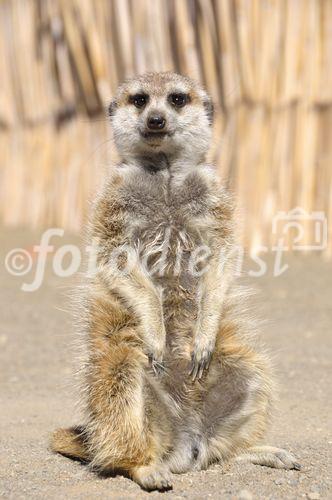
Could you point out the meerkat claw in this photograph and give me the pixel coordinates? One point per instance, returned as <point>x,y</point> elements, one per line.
<point>198,367</point>
<point>157,366</point>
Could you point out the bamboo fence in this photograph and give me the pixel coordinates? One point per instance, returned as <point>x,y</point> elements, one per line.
<point>266,63</point>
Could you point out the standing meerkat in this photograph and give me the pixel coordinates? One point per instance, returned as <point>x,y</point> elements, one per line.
<point>171,383</point>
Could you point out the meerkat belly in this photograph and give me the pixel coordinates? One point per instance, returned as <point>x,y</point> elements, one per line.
<point>169,255</point>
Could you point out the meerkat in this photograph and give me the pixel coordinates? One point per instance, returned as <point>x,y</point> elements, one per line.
<point>171,381</point>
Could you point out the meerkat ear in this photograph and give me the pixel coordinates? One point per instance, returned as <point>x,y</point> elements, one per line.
<point>209,108</point>
<point>112,107</point>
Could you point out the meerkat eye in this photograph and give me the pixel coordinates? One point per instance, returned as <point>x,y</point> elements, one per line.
<point>139,100</point>
<point>178,99</point>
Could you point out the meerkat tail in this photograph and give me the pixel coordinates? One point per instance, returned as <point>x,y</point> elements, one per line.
<point>70,443</point>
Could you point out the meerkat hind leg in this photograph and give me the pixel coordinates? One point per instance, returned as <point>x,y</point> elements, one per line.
<point>121,436</point>
<point>269,456</point>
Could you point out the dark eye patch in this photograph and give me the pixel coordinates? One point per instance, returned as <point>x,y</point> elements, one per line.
<point>178,99</point>
<point>139,100</point>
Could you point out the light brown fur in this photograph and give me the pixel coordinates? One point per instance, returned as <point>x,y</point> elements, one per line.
<point>171,382</point>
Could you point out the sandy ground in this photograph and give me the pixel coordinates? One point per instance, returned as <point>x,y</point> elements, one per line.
<point>36,363</point>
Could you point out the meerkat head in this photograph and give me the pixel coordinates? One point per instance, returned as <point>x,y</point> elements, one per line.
<point>161,113</point>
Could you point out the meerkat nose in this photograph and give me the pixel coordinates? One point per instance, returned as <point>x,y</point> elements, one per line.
<point>156,122</point>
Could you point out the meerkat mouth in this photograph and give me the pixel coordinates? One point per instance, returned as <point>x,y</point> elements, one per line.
<point>151,136</point>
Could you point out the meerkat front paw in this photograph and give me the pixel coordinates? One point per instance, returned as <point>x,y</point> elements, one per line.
<point>155,352</point>
<point>153,334</point>
<point>200,361</point>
